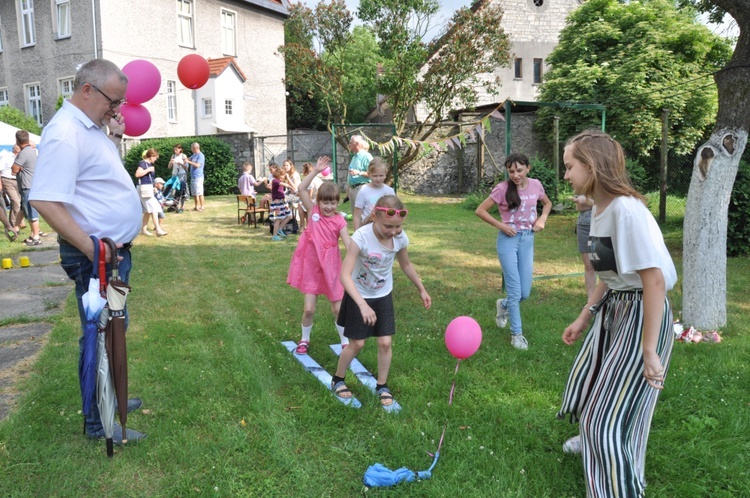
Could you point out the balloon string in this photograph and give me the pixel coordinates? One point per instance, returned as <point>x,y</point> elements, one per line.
<point>450,402</point>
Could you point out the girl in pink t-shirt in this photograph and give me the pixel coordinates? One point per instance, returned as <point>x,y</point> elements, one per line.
<point>316,263</point>
<point>516,199</point>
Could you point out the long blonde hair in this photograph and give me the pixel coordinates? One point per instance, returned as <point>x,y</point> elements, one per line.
<point>606,160</point>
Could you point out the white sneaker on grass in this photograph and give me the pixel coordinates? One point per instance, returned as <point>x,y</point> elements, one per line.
<point>573,445</point>
<point>501,319</point>
<point>518,341</point>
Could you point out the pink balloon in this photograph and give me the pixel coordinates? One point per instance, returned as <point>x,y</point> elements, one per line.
<point>193,71</point>
<point>463,337</point>
<point>326,171</point>
<point>144,81</point>
<point>137,119</point>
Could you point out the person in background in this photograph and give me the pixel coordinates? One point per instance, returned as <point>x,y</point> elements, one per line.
<point>583,226</point>
<point>312,191</point>
<point>179,165</point>
<point>279,212</point>
<point>10,187</point>
<point>151,207</point>
<point>23,167</point>
<point>371,192</point>
<point>516,199</point>
<point>358,164</point>
<point>82,189</point>
<point>198,163</point>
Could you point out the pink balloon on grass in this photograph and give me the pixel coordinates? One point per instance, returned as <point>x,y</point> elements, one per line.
<point>193,71</point>
<point>144,81</point>
<point>137,119</point>
<point>463,336</point>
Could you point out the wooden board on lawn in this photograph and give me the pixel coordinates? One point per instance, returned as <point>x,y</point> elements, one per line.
<point>366,378</point>
<point>314,368</point>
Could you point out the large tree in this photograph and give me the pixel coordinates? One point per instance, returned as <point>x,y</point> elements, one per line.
<point>331,70</point>
<point>637,58</point>
<point>715,168</point>
<point>439,76</point>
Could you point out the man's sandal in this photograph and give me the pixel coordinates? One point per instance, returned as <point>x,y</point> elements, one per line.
<point>302,347</point>
<point>385,396</point>
<point>340,389</point>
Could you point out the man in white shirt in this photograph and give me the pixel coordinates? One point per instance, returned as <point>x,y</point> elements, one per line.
<point>82,189</point>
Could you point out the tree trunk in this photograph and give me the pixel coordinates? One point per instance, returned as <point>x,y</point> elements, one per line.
<point>704,282</point>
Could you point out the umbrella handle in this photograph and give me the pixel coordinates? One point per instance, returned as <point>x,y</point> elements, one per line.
<point>113,261</point>
<point>102,268</point>
<point>96,254</point>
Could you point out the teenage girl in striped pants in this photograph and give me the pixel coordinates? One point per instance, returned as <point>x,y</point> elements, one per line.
<point>618,374</point>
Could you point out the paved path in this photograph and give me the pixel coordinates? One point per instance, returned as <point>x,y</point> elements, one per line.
<point>28,298</point>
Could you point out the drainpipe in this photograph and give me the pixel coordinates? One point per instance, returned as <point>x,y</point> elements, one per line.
<point>93,23</point>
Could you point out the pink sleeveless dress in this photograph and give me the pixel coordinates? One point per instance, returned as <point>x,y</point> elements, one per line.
<point>316,263</point>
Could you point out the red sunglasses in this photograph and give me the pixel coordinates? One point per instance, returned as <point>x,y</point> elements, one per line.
<point>392,212</point>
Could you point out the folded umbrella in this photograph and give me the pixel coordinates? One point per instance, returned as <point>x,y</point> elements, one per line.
<point>93,303</point>
<point>117,293</point>
<point>105,390</point>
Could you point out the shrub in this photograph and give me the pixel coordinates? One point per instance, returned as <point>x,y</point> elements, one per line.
<point>638,175</point>
<point>738,230</point>
<point>220,170</point>
<point>14,117</point>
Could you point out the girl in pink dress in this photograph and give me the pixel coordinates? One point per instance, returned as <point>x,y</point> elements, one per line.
<point>316,263</point>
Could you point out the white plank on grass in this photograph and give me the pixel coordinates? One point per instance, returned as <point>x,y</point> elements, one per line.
<point>314,368</point>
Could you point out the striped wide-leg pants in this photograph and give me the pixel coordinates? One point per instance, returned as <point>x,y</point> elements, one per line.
<point>607,393</point>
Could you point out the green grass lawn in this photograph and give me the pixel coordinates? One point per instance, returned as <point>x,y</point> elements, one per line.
<point>230,413</point>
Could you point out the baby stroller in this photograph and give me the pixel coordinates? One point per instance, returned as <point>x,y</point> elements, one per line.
<point>175,194</point>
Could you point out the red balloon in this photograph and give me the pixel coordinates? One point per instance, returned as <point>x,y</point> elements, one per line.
<point>144,81</point>
<point>463,336</point>
<point>193,71</point>
<point>137,119</point>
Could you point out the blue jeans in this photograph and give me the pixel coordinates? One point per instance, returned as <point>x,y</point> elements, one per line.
<point>516,255</point>
<point>79,269</point>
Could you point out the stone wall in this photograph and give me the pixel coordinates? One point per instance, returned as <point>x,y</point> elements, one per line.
<point>457,171</point>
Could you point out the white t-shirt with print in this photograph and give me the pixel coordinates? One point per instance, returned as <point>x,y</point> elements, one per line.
<point>373,272</point>
<point>625,238</point>
<point>368,196</point>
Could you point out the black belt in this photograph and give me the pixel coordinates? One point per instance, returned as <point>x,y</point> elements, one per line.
<point>125,247</point>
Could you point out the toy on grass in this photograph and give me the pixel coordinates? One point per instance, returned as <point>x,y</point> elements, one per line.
<point>463,336</point>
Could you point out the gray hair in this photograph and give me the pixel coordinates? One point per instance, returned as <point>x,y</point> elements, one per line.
<point>359,139</point>
<point>98,72</point>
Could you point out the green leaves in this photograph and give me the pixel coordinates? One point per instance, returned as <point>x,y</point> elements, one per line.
<point>636,58</point>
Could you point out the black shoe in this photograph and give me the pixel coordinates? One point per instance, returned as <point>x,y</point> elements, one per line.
<point>133,404</point>
<point>133,436</point>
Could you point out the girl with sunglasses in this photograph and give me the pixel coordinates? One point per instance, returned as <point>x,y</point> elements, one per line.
<point>516,199</point>
<point>367,276</point>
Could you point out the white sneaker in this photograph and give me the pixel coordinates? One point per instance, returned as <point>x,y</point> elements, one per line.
<point>501,319</point>
<point>573,445</point>
<point>518,341</point>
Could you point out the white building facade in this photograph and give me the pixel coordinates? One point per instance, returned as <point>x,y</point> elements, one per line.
<point>42,42</point>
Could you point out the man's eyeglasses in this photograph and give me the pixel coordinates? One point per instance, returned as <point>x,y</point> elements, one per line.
<point>392,212</point>
<point>112,103</point>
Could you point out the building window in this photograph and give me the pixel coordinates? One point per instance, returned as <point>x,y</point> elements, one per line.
<point>4,97</point>
<point>228,28</point>
<point>62,12</point>
<point>28,35</point>
<point>34,101</point>
<point>519,69</point>
<point>538,71</point>
<point>208,108</point>
<point>172,100</point>
<point>185,20</point>
<point>228,107</point>
<point>66,88</point>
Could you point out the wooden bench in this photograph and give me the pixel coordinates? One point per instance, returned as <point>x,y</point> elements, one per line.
<point>248,211</point>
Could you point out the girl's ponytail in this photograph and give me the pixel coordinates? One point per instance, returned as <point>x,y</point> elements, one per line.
<point>511,195</point>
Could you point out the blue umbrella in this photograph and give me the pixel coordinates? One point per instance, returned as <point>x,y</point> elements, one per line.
<point>93,303</point>
<point>379,475</point>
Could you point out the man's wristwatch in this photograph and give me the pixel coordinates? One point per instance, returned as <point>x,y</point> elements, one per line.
<point>116,135</point>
